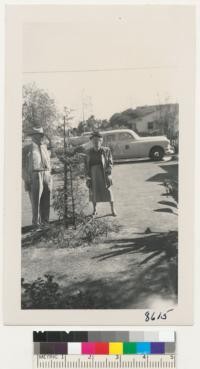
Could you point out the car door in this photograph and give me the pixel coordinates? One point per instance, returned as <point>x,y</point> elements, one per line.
<point>110,140</point>
<point>127,146</point>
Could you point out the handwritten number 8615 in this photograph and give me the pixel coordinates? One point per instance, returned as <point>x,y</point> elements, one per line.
<point>151,316</point>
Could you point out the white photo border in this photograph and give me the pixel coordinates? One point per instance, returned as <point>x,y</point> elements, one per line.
<point>16,15</point>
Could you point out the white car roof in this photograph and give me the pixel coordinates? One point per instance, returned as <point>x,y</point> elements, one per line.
<point>124,130</point>
<point>118,131</point>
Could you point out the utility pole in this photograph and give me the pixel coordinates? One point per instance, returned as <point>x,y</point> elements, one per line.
<point>83,109</point>
<point>87,107</point>
<point>65,172</point>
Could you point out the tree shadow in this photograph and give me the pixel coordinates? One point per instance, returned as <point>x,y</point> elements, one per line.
<point>30,228</point>
<point>159,243</point>
<point>169,180</point>
<point>149,276</point>
<point>32,236</point>
<point>168,203</point>
<point>171,169</point>
<point>165,210</point>
<point>171,172</point>
<point>155,274</point>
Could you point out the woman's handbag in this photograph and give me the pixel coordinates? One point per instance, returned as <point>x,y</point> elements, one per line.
<point>109,181</point>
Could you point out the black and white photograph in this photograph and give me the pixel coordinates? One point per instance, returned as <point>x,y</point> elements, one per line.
<point>103,160</point>
<point>100,154</point>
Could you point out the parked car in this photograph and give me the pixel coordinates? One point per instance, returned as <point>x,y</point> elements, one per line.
<point>126,144</point>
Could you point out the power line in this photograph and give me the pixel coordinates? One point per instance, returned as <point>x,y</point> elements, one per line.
<point>99,70</point>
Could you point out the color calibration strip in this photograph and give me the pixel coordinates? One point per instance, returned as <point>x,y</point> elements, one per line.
<point>104,343</point>
<point>105,350</point>
<point>104,336</point>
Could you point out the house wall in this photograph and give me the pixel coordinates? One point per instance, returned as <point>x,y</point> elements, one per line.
<point>142,122</point>
<point>155,116</point>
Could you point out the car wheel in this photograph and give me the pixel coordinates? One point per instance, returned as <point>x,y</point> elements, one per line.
<point>156,153</point>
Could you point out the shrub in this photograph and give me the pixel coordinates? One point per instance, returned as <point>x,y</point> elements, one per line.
<point>40,293</point>
<point>75,166</point>
<point>172,188</point>
<point>45,293</point>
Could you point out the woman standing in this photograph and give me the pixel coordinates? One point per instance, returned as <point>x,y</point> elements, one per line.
<point>99,168</point>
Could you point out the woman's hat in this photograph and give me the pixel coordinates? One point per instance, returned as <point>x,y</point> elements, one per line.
<point>35,130</point>
<point>96,134</point>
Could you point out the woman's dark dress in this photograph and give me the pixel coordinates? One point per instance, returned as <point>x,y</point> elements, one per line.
<point>99,192</point>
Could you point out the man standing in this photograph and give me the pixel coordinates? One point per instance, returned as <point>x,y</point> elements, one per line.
<point>36,172</point>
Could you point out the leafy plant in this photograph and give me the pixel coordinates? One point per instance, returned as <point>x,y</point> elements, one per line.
<point>45,293</point>
<point>95,229</point>
<point>172,189</point>
<point>40,293</point>
<point>39,109</point>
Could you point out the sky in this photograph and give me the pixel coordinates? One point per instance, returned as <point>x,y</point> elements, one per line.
<point>104,59</point>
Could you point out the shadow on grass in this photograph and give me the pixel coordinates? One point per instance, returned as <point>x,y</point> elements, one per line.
<point>168,203</point>
<point>154,275</point>
<point>32,236</point>
<point>151,273</point>
<point>165,210</point>
<point>170,172</point>
<point>163,244</point>
<point>169,180</point>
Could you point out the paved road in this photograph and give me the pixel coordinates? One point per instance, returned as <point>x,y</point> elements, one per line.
<point>133,268</point>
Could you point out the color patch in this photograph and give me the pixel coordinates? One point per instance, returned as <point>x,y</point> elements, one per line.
<point>151,337</point>
<point>95,336</point>
<point>60,336</point>
<point>143,348</point>
<point>157,348</point>
<point>170,347</point>
<point>166,336</point>
<point>47,348</point>
<point>88,348</point>
<point>61,348</point>
<point>121,336</point>
<point>129,348</point>
<point>137,336</point>
<point>115,348</point>
<point>37,348</point>
<point>108,337</point>
<point>101,348</point>
<point>74,348</point>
